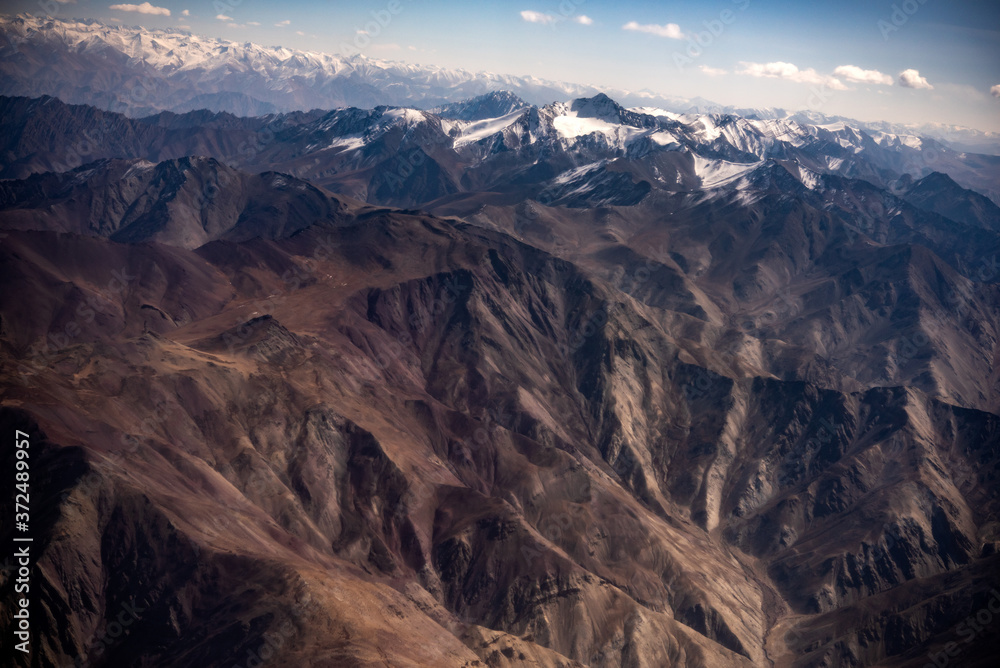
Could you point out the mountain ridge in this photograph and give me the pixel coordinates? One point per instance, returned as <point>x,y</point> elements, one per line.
<point>149,71</point>
<point>328,143</point>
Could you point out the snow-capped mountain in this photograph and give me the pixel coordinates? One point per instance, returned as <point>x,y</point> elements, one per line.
<point>139,71</point>
<point>554,151</point>
<point>490,105</point>
<point>957,137</point>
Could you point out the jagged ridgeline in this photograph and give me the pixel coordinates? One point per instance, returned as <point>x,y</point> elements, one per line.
<point>500,383</point>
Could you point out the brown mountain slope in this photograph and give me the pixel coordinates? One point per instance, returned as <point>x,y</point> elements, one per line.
<point>408,441</point>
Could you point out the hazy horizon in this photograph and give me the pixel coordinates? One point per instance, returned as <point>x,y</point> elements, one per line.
<point>909,62</point>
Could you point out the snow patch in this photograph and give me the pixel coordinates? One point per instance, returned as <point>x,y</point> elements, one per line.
<point>138,168</point>
<point>663,139</point>
<point>348,142</point>
<point>574,174</point>
<point>656,112</point>
<point>886,139</point>
<point>486,128</point>
<point>716,173</point>
<point>571,127</point>
<point>407,116</point>
<point>810,179</point>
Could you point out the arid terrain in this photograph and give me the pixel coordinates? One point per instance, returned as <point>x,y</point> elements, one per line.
<point>409,388</point>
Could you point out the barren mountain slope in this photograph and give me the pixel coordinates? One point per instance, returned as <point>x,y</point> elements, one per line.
<point>398,438</point>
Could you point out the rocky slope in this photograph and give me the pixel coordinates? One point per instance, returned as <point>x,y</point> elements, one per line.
<point>401,439</point>
<point>606,401</point>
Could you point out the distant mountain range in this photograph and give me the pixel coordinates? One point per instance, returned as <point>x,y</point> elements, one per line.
<point>140,72</point>
<point>582,152</point>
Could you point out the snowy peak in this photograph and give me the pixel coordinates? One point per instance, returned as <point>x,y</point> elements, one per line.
<point>489,106</point>
<point>600,106</point>
<point>393,116</point>
<point>604,108</point>
<point>187,69</point>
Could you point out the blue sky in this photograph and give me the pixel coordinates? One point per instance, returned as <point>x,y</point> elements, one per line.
<point>907,61</point>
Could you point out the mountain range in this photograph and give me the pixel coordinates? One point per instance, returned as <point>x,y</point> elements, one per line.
<point>140,72</point>
<point>495,382</point>
<point>558,148</point>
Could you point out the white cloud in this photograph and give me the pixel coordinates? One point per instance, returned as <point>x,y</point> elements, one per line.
<point>253,23</point>
<point>711,71</point>
<point>584,20</point>
<point>858,75</point>
<point>282,24</point>
<point>537,17</point>
<point>995,90</point>
<point>66,2</point>
<point>144,8</point>
<point>223,17</point>
<point>299,32</point>
<point>912,79</point>
<point>781,70</point>
<point>671,30</point>
<point>186,12</point>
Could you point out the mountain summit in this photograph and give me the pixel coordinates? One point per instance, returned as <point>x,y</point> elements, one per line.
<point>490,105</point>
